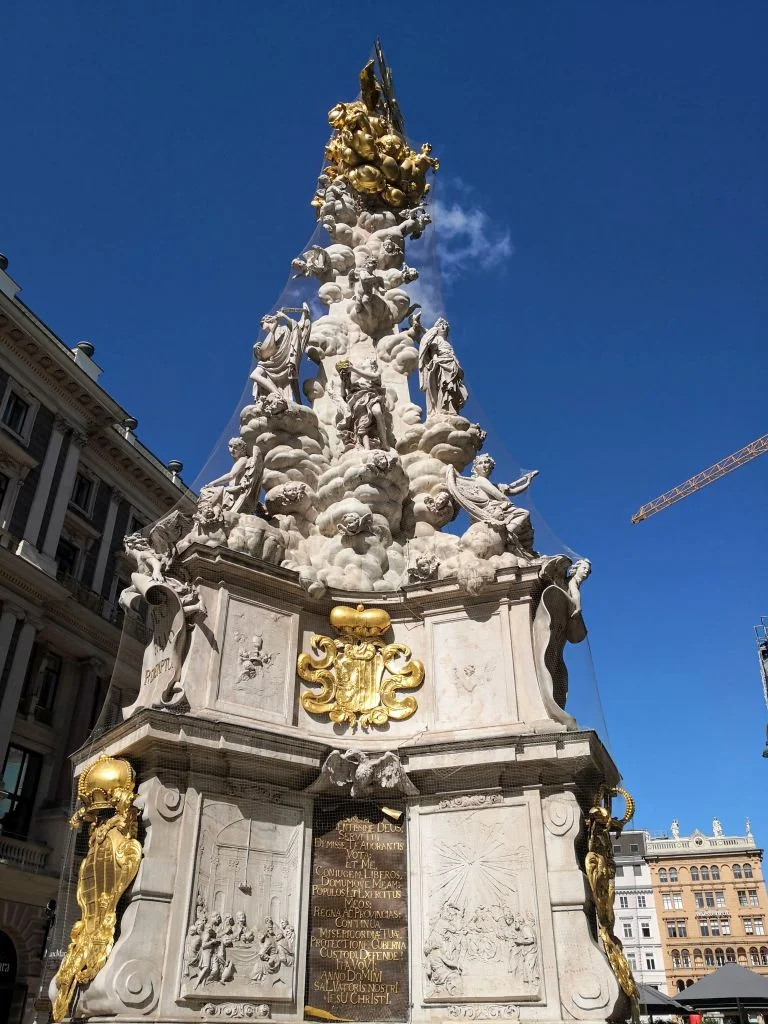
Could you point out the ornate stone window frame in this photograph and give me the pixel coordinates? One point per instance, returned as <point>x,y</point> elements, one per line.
<point>15,386</point>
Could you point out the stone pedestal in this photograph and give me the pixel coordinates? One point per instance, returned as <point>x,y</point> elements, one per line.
<point>457,892</point>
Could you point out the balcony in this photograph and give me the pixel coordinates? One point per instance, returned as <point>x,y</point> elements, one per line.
<point>23,854</point>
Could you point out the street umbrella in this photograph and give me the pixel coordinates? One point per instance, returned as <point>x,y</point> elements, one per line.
<point>730,987</point>
<point>652,1001</point>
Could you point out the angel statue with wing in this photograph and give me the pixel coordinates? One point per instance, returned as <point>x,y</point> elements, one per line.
<point>489,503</point>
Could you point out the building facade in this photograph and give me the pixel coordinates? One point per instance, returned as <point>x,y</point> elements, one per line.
<point>74,480</point>
<point>637,924</point>
<point>711,902</point>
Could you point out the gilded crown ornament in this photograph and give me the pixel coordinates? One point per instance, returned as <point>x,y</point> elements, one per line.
<point>106,790</point>
<point>358,673</point>
<point>600,868</point>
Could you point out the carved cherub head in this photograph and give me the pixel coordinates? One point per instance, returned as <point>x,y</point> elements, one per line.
<point>442,326</point>
<point>483,465</point>
<point>237,447</point>
<point>579,571</point>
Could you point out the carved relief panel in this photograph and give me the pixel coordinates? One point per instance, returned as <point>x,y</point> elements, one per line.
<point>255,672</point>
<point>480,926</point>
<point>244,909</point>
<point>473,673</point>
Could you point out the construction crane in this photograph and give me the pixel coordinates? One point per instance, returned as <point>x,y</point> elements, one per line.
<point>707,476</point>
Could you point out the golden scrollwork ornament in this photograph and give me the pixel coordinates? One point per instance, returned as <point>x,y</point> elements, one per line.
<point>358,673</point>
<point>107,792</point>
<point>600,868</point>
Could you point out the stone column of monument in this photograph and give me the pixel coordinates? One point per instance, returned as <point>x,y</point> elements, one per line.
<point>361,796</point>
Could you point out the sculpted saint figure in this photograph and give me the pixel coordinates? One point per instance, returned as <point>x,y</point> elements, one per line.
<point>280,353</point>
<point>231,492</point>
<point>363,394</point>
<point>441,378</point>
<point>489,503</point>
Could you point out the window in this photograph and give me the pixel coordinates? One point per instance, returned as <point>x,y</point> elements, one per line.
<point>21,774</point>
<point>662,874</point>
<point>694,874</point>
<point>705,874</point>
<point>634,848</point>
<point>619,872</point>
<point>714,927</point>
<point>753,898</point>
<point>672,929</point>
<point>725,926</point>
<point>50,673</point>
<point>627,927</point>
<point>754,957</point>
<point>709,899</point>
<point>637,870</point>
<point>682,929</point>
<point>675,960</point>
<point>666,901</point>
<point>685,958</point>
<point>677,900</point>
<point>673,874</point>
<point>741,955</point>
<point>650,962</point>
<point>631,961</point>
<point>66,557</point>
<point>730,955</point>
<point>15,413</point>
<point>764,956</point>
<point>704,927</point>
<point>82,492</point>
<point>720,898</point>
<point>748,926</point>
<point>641,901</point>
<point>697,959</point>
<point>645,929</point>
<point>748,871</point>
<point>759,926</point>
<point>623,902</point>
<point>736,870</point>
<point>719,957</point>
<point>742,895</point>
<point>617,847</point>
<point>709,958</point>
<point>715,870</point>
<point>699,898</point>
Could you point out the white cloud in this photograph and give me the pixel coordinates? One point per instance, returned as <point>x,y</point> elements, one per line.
<point>467,239</point>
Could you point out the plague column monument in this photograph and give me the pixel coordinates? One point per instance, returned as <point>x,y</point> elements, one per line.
<point>347,786</point>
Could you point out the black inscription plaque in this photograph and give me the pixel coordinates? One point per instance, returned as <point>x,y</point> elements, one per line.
<point>358,914</point>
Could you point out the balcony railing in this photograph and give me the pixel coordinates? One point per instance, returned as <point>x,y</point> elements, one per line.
<point>23,854</point>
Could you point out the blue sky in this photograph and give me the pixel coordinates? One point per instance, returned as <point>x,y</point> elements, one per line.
<point>604,169</point>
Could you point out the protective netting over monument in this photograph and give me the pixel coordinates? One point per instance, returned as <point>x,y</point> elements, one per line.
<point>341,698</point>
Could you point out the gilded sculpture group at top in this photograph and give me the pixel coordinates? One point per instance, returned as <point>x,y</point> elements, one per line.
<point>368,148</point>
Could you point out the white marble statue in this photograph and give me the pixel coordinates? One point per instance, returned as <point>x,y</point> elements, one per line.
<point>717,828</point>
<point>675,828</point>
<point>441,377</point>
<point>489,503</point>
<point>363,394</point>
<point>279,354</point>
<point>232,491</point>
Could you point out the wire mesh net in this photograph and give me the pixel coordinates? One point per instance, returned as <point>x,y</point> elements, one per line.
<point>337,935</point>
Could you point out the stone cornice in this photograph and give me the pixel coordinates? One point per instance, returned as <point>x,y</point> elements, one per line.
<point>241,570</point>
<point>92,409</point>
